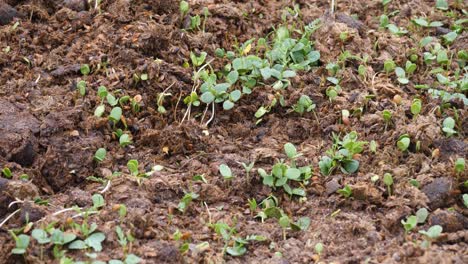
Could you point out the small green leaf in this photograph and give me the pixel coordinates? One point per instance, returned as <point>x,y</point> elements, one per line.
<point>422,214</point>
<point>228,105</point>
<point>290,150</point>
<point>100,154</point>
<point>293,173</point>
<point>41,236</point>
<point>225,171</point>
<point>207,97</point>
<point>95,240</point>
<point>84,69</point>
<point>124,140</point>
<point>99,110</point>
<point>98,200</point>
<point>115,114</point>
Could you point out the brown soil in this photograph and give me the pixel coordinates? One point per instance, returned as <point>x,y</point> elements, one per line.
<point>48,131</point>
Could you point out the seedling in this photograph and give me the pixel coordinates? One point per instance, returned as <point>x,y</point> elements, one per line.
<point>22,243</point>
<point>389,66</point>
<point>81,86</point>
<point>401,75</point>
<point>465,200</point>
<point>342,155</point>
<point>416,106</point>
<point>7,173</point>
<point>373,146</point>
<point>132,166</point>
<point>84,69</point>
<point>346,191</point>
<point>304,104</point>
<point>318,249</point>
<point>115,115</point>
<point>100,155</point>
<point>442,5</point>
<point>225,172</point>
<point>403,142</point>
<point>422,214</point>
<point>410,223</point>
<point>414,182</point>
<point>387,117</point>
<point>423,22</point>
<point>448,126</point>
<point>186,200</point>
<point>397,30</point>
<point>248,169</point>
<point>388,180</point>
<point>459,166</point>
<point>282,174</point>
<point>430,235</point>
<point>252,205</point>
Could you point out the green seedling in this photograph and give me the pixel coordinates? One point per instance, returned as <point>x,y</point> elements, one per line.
<point>225,172</point>
<point>198,61</point>
<point>84,69</point>
<point>373,146</point>
<point>459,166</point>
<point>423,22</point>
<point>384,21</point>
<point>98,201</point>
<point>93,241</point>
<point>442,5</point>
<point>318,249</point>
<point>115,115</point>
<point>200,178</point>
<point>414,183</point>
<point>304,104</point>
<point>252,205</point>
<point>183,8</point>
<point>22,243</point>
<point>7,173</point>
<point>448,126</point>
<point>346,191</point>
<point>431,235</point>
<point>124,140</point>
<point>284,174</point>
<point>465,199</point>
<point>248,169</point>
<point>422,215</point>
<point>388,180</point>
<point>397,30</point>
<point>132,166</point>
<point>401,75</point>
<point>389,66</point>
<point>186,200</point>
<point>341,155</point>
<point>387,117</point>
<point>416,106</point>
<point>100,155</point>
<point>403,142</point>
<point>410,223</point>
<point>81,86</point>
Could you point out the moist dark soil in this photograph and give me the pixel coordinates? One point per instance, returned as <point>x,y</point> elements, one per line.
<point>49,132</point>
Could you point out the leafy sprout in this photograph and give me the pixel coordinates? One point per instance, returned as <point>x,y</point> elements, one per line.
<point>388,180</point>
<point>403,142</point>
<point>448,126</point>
<point>225,172</point>
<point>346,191</point>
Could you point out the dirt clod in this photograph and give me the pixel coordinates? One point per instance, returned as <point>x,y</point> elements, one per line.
<point>439,192</point>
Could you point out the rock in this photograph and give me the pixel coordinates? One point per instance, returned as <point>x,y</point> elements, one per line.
<point>80,198</point>
<point>332,186</point>
<point>438,192</point>
<point>451,221</point>
<point>365,192</point>
<point>17,129</point>
<point>76,5</point>
<point>31,212</point>
<point>451,147</point>
<point>7,13</point>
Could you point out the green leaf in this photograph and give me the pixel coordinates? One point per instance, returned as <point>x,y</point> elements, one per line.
<point>403,143</point>
<point>433,232</point>
<point>293,173</point>
<point>225,171</point>
<point>41,236</point>
<point>99,110</point>
<point>132,259</point>
<point>410,223</point>
<point>422,214</point>
<point>124,140</point>
<point>132,166</point>
<point>290,150</point>
<point>236,251</point>
<point>84,69</point>
<point>350,166</point>
<point>273,212</point>
<point>98,200</point>
<point>78,244</point>
<point>100,154</point>
<point>261,112</point>
<point>421,22</point>
<point>388,179</point>
<point>81,86</point>
<point>299,192</point>
<point>302,223</point>
<point>115,114</point>
<point>400,72</point>
<point>95,240</point>
<point>232,77</point>
<point>442,5</point>
<point>111,99</point>
<point>228,105</point>
<point>284,221</point>
<point>207,97</point>
<point>235,95</point>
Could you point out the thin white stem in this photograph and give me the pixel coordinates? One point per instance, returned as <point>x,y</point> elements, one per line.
<point>8,217</point>
<point>15,202</point>
<point>332,6</point>
<point>65,210</point>
<point>107,186</point>
<point>212,114</point>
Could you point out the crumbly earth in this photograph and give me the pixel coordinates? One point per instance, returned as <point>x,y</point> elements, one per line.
<point>49,132</point>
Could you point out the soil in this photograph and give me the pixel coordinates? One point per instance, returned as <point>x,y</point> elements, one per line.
<point>49,132</point>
